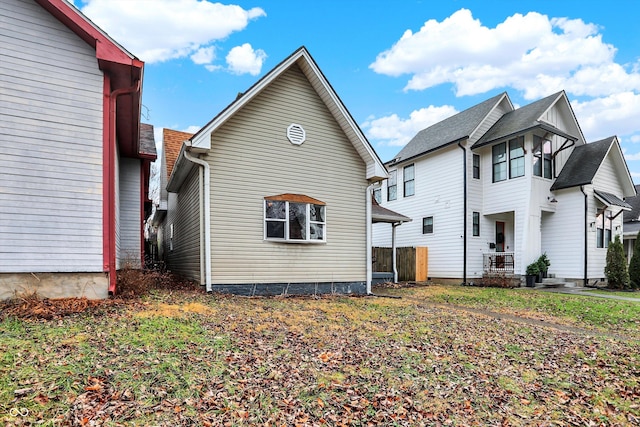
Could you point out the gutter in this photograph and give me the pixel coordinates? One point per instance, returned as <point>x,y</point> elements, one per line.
<point>586,237</point>
<point>109,182</point>
<point>368,201</point>
<point>464,178</point>
<point>207,212</point>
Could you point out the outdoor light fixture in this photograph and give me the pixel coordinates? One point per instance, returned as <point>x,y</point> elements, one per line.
<point>552,199</point>
<point>592,225</point>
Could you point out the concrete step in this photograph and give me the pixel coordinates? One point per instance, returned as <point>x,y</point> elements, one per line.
<point>556,282</point>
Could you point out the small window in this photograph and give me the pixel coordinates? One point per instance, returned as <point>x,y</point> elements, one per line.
<point>476,223</point>
<point>542,162</point>
<point>427,225</point>
<point>392,187</point>
<point>516,157</point>
<point>408,175</point>
<point>377,195</point>
<point>476,166</point>
<point>171,237</point>
<point>499,162</point>
<point>301,219</point>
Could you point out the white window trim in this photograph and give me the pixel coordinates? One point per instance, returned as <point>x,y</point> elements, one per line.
<point>286,224</point>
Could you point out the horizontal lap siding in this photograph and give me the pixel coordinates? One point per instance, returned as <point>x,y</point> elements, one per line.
<point>50,145</point>
<point>251,158</point>
<point>130,213</point>
<point>184,214</point>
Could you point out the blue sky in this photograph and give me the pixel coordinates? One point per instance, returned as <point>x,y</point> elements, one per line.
<point>399,66</point>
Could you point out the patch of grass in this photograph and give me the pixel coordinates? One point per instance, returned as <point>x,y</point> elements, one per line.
<point>599,313</point>
<point>177,358</point>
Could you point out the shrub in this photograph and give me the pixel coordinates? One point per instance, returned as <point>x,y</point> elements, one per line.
<point>533,269</point>
<point>634,265</point>
<point>544,263</point>
<point>616,268</point>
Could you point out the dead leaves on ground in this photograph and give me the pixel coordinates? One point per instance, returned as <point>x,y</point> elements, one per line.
<point>337,361</point>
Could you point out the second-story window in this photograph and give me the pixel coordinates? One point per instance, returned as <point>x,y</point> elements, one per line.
<point>516,157</point>
<point>377,195</point>
<point>542,163</point>
<point>392,187</point>
<point>476,166</point>
<point>499,156</point>
<point>408,175</point>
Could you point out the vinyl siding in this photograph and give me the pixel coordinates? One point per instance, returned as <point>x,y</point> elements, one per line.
<point>130,213</point>
<point>439,185</point>
<point>50,145</point>
<point>251,158</point>
<point>184,214</point>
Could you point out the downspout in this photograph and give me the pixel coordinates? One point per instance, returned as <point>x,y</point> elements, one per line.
<point>393,251</point>
<point>368,202</point>
<point>207,213</point>
<point>464,237</point>
<point>110,153</point>
<point>586,236</point>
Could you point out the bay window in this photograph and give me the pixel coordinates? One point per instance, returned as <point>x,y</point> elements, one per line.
<point>294,219</point>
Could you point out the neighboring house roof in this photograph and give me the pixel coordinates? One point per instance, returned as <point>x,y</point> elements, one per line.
<point>450,130</point>
<point>380,214</point>
<point>634,213</point>
<point>522,119</point>
<point>123,69</point>
<point>172,142</point>
<point>147,142</point>
<point>585,160</point>
<point>375,169</point>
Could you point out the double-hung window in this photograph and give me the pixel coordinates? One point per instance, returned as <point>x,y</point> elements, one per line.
<point>499,156</point>
<point>408,175</point>
<point>542,164</point>
<point>476,223</point>
<point>516,157</point>
<point>294,219</point>
<point>476,166</point>
<point>377,195</point>
<point>392,187</point>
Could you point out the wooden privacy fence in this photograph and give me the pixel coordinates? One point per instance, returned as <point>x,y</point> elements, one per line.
<point>412,262</point>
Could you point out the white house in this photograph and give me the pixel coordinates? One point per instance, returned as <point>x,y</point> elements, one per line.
<point>493,187</point>
<point>74,158</point>
<point>273,195</point>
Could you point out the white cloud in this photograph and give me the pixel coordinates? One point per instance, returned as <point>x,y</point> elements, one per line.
<point>245,60</point>
<point>192,129</point>
<point>533,53</point>
<point>616,114</point>
<point>394,131</point>
<point>204,55</point>
<point>168,29</point>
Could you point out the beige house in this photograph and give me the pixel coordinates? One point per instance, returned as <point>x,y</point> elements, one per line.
<point>273,196</point>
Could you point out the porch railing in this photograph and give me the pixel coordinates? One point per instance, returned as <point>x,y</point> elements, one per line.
<point>498,262</point>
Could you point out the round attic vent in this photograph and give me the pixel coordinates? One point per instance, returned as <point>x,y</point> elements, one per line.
<point>296,134</point>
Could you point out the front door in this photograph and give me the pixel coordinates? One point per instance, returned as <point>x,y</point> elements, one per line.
<point>499,236</point>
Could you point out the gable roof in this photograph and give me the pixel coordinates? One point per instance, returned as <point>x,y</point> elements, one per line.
<point>172,143</point>
<point>375,170</point>
<point>582,165</point>
<point>584,162</point>
<point>124,70</point>
<point>523,119</point>
<point>450,130</point>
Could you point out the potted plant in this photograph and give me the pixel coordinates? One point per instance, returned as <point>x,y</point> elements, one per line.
<point>543,264</point>
<point>533,270</point>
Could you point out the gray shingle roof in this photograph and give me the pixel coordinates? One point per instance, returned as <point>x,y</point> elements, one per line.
<point>634,213</point>
<point>147,140</point>
<point>583,164</point>
<point>520,120</point>
<point>380,214</point>
<point>448,131</point>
